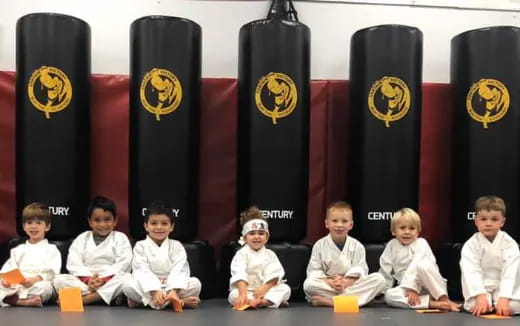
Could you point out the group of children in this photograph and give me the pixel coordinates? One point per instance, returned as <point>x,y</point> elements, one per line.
<point>100,260</point>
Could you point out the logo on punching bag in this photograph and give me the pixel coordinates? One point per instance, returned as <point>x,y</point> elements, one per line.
<point>49,90</point>
<point>279,91</point>
<point>492,101</point>
<point>160,92</point>
<point>389,99</point>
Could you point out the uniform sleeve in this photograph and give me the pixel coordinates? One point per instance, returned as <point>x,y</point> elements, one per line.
<point>11,263</point>
<point>141,270</point>
<point>359,264</point>
<point>238,268</point>
<point>386,268</point>
<point>471,271</point>
<point>53,264</point>
<point>180,272</point>
<point>75,264</point>
<point>510,269</point>
<point>122,255</point>
<point>273,269</point>
<point>315,266</point>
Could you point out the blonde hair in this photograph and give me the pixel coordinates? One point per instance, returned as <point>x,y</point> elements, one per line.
<point>490,203</point>
<point>338,205</point>
<point>406,215</point>
<point>252,213</point>
<point>36,211</point>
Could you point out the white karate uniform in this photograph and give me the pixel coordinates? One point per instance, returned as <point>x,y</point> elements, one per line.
<point>112,257</point>
<point>39,259</point>
<point>413,267</point>
<point>491,268</point>
<point>163,268</point>
<point>327,260</point>
<point>257,268</point>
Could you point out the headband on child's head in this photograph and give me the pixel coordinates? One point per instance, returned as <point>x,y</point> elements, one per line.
<point>253,225</point>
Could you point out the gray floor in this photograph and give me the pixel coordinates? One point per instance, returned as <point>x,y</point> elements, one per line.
<point>216,312</point>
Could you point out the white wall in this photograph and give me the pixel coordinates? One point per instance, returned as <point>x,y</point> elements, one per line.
<point>331,23</point>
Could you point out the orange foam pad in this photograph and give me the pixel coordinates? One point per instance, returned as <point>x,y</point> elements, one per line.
<point>70,300</point>
<point>345,303</point>
<point>176,305</point>
<point>429,311</point>
<point>495,316</point>
<point>13,277</point>
<point>242,308</point>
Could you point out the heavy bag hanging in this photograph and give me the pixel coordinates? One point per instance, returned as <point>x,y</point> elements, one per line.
<point>164,111</point>
<point>52,119</point>
<point>273,120</point>
<point>485,75</point>
<point>385,118</point>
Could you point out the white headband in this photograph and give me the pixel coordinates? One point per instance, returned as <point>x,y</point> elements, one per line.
<point>253,225</point>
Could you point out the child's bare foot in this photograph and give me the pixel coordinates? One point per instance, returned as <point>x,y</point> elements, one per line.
<point>319,301</point>
<point>445,304</point>
<point>132,304</point>
<point>35,301</point>
<point>190,302</point>
<point>119,300</point>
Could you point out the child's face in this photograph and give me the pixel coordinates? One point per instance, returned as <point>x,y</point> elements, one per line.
<point>102,222</point>
<point>158,227</point>
<point>339,222</point>
<point>405,232</point>
<point>36,230</point>
<point>489,223</point>
<point>256,239</point>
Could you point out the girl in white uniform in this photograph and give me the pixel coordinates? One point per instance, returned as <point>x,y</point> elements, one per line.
<point>409,261</point>
<point>256,273</point>
<point>160,267</point>
<point>37,260</point>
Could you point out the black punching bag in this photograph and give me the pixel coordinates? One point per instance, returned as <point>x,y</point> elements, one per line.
<point>485,75</point>
<point>385,118</point>
<point>164,111</point>
<point>273,120</point>
<point>52,119</point>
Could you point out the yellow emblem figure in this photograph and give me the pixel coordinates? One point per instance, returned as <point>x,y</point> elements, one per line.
<point>283,89</point>
<point>396,93</point>
<point>496,97</point>
<point>57,86</point>
<point>168,89</point>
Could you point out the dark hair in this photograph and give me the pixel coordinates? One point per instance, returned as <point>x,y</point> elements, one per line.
<point>36,211</point>
<point>103,203</point>
<point>252,213</point>
<point>158,208</point>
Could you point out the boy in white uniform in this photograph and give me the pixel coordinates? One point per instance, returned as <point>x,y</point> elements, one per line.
<point>37,260</point>
<point>409,261</point>
<point>161,271</point>
<point>490,262</point>
<point>337,265</point>
<point>98,260</point>
<point>256,273</point>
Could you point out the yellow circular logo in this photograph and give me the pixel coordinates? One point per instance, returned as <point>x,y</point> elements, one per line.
<point>49,90</point>
<point>389,99</point>
<point>492,101</point>
<point>160,92</point>
<point>280,92</point>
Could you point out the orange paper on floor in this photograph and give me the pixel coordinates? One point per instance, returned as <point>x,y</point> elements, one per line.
<point>242,308</point>
<point>429,311</point>
<point>176,305</point>
<point>345,303</point>
<point>70,300</point>
<point>495,316</point>
<point>13,277</point>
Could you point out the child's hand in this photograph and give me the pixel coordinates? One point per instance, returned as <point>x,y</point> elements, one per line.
<point>30,281</point>
<point>348,281</point>
<point>172,295</point>
<point>502,307</point>
<point>413,297</point>
<point>335,284</point>
<point>241,300</point>
<point>261,291</point>
<point>481,305</point>
<point>158,297</point>
<point>5,284</point>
